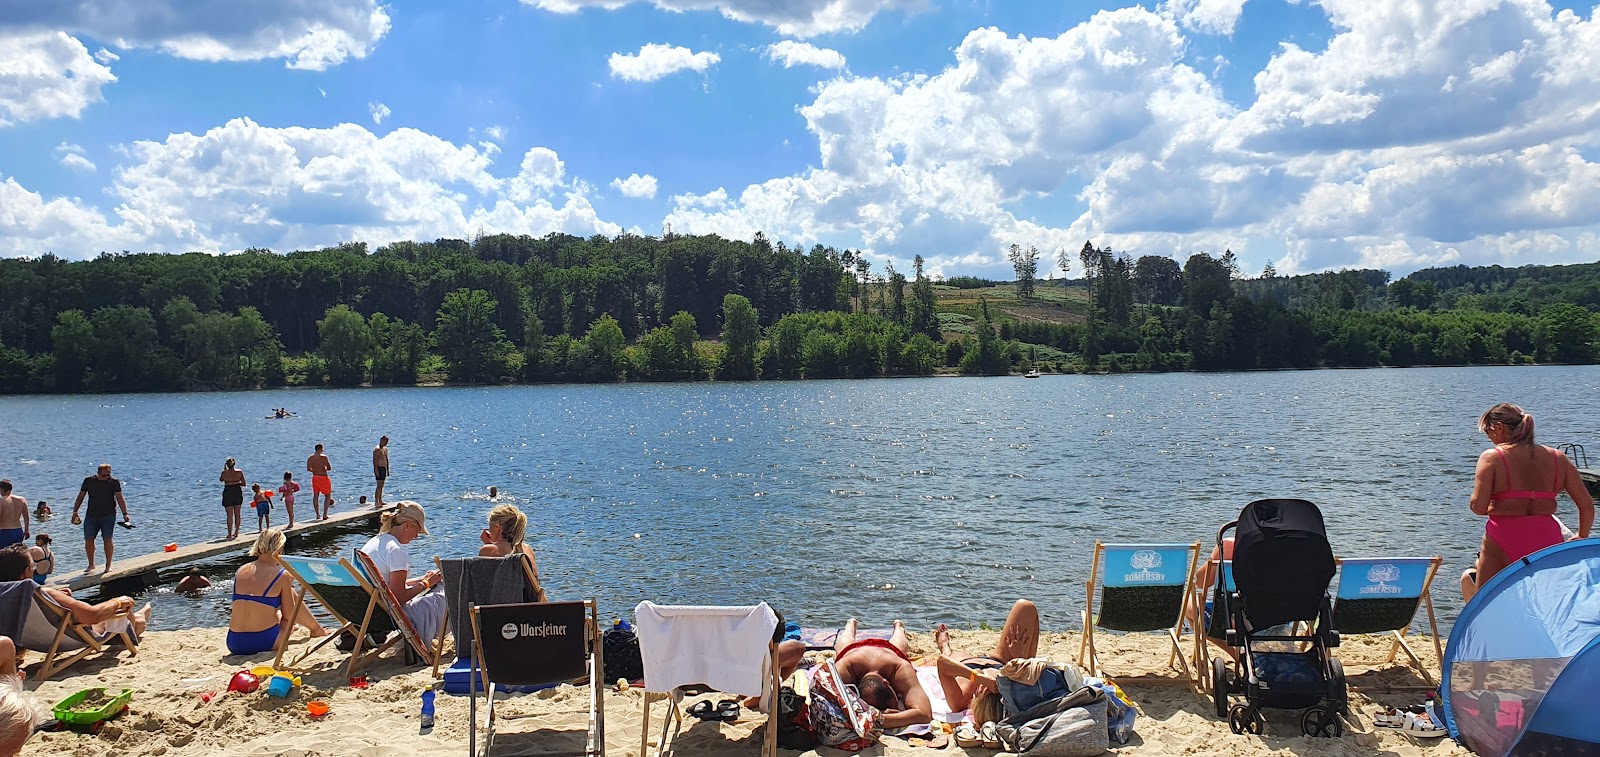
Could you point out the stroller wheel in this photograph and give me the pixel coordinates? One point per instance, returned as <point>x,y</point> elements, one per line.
<point>1244,718</point>
<point>1322,723</point>
<point>1219,685</point>
<point>1338,694</point>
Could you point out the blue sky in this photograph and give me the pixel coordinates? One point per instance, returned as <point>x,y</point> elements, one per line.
<point>1312,135</point>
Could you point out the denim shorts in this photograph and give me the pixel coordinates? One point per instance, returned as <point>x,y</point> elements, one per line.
<point>105,525</point>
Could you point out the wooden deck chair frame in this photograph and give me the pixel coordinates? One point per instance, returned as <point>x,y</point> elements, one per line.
<point>1086,644</point>
<point>769,745</point>
<point>595,641</point>
<point>358,659</point>
<point>397,613</point>
<point>56,659</point>
<point>1399,644</point>
<point>438,644</point>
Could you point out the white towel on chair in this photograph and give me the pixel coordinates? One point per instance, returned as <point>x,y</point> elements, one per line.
<point>724,648</point>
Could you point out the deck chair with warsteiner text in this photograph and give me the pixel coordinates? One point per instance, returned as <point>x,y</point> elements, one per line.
<point>1382,595</point>
<point>1142,588</point>
<point>350,599</point>
<point>533,644</point>
<point>50,629</point>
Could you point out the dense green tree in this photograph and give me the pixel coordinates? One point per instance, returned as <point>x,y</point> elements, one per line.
<point>398,352</point>
<point>986,357</point>
<point>1566,334</point>
<point>74,341</point>
<point>602,351</point>
<point>346,345</point>
<point>465,335</point>
<point>1158,279</point>
<point>1025,264</point>
<point>741,333</point>
<point>922,315</point>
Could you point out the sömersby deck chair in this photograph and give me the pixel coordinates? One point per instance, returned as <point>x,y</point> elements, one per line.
<point>1382,595</point>
<point>1142,588</point>
<point>350,598</point>
<point>481,581</point>
<point>726,649</point>
<point>534,643</point>
<point>48,628</point>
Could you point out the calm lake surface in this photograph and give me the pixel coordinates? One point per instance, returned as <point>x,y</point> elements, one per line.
<point>924,499</point>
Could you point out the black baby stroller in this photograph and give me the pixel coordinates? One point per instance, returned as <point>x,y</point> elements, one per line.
<point>1282,565</point>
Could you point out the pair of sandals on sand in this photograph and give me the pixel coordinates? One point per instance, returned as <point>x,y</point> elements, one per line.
<point>725,711</point>
<point>969,737</point>
<point>1413,720</point>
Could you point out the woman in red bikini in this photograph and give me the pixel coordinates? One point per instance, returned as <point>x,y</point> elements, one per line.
<point>1507,488</point>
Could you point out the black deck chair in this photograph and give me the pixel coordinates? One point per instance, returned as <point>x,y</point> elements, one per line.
<point>538,643</point>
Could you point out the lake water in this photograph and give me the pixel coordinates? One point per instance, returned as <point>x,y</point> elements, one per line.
<point>924,499</point>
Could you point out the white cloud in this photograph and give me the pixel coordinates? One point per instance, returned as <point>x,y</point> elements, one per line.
<point>106,56</point>
<point>799,18</point>
<point>308,35</point>
<point>654,61</point>
<point>1208,16</point>
<point>73,156</point>
<point>242,184</point>
<point>636,186</point>
<point>791,53</point>
<point>47,75</point>
<point>495,133</point>
<point>379,112</point>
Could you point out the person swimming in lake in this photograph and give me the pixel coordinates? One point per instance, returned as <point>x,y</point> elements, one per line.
<point>1505,487</point>
<point>42,511</point>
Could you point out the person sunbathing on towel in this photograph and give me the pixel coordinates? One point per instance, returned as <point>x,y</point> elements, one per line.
<point>966,678</point>
<point>882,672</point>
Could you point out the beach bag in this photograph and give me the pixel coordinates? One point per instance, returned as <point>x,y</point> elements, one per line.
<point>622,654</point>
<point>838,716</point>
<point>1017,698</point>
<point>1119,710</point>
<point>1071,726</point>
<point>794,721</point>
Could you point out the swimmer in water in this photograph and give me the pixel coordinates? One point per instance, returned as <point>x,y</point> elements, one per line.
<point>494,492</point>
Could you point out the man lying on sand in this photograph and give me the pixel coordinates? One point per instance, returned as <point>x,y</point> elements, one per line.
<point>882,672</point>
<point>17,565</point>
<point>970,679</point>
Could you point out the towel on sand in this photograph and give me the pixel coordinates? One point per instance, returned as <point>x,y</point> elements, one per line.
<point>724,648</point>
<point>823,638</point>
<point>481,581</point>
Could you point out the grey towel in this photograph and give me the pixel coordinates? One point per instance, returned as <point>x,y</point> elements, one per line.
<point>15,599</point>
<point>481,581</point>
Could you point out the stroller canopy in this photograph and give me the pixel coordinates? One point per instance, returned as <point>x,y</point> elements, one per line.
<point>1282,562</point>
<point>1523,663</point>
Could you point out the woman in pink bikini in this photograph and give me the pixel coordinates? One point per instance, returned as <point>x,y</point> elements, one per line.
<point>1516,485</point>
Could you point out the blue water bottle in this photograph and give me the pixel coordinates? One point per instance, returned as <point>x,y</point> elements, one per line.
<point>427,708</point>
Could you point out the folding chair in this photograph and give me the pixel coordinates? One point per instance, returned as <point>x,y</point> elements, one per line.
<point>1382,595</point>
<point>397,611</point>
<point>726,649</point>
<point>51,630</point>
<point>352,600</point>
<point>1214,625</point>
<point>535,643</point>
<point>1143,588</point>
<point>481,581</point>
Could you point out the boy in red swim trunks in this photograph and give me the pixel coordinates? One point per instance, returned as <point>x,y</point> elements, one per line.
<point>321,485</point>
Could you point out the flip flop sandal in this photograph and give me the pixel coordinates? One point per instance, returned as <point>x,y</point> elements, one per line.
<point>968,737</point>
<point>991,739</point>
<point>727,711</point>
<point>703,710</point>
<point>1390,719</point>
<point>1421,727</point>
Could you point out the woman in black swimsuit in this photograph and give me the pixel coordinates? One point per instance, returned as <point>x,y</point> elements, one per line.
<point>232,495</point>
<point>966,678</point>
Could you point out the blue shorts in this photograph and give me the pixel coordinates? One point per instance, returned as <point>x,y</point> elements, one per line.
<point>105,525</point>
<point>10,536</point>
<point>263,507</point>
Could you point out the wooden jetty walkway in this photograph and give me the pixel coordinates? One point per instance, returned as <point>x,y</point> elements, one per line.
<point>144,571</point>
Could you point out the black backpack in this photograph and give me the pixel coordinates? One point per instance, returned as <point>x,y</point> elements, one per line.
<point>622,655</point>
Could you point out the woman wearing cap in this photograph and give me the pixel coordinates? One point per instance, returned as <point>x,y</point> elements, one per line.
<point>424,600</point>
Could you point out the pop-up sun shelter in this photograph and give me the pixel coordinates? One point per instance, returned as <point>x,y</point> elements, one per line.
<point>1523,665</point>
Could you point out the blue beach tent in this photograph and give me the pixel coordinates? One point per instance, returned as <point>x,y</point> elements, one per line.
<point>1522,670</point>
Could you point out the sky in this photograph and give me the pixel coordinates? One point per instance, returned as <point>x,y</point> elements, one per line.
<point>1310,135</point>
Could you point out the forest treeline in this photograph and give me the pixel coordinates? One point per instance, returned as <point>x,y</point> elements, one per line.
<point>564,308</point>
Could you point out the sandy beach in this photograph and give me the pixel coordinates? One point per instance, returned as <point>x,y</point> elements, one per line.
<point>174,668</point>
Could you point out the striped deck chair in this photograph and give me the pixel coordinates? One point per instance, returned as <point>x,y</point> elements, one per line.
<point>1382,595</point>
<point>427,649</point>
<point>1142,588</point>
<point>350,598</point>
<point>1214,625</point>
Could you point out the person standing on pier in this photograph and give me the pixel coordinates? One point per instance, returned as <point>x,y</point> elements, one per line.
<point>321,485</point>
<point>105,496</point>
<point>232,495</point>
<point>13,516</point>
<point>380,468</point>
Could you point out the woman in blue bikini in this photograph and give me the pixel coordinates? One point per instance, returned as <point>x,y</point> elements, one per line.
<point>263,605</point>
